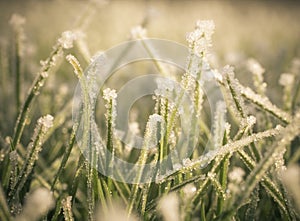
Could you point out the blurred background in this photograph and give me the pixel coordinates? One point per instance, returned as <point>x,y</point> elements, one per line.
<point>266,30</point>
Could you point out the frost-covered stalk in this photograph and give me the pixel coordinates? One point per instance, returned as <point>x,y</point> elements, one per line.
<point>66,156</point>
<point>265,104</point>
<point>17,22</point>
<point>86,139</point>
<point>200,43</point>
<point>65,42</point>
<point>219,125</point>
<point>164,92</point>
<point>34,147</point>
<point>233,87</point>
<point>150,141</point>
<point>67,208</point>
<point>287,80</point>
<point>14,167</point>
<point>257,76</point>
<point>230,148</point>
<point>110,98</point>
<point>269,159</point>
<point>224,165</point>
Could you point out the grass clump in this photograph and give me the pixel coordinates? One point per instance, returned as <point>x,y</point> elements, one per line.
<point>242,169</point>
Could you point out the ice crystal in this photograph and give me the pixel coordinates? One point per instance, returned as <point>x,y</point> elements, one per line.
<point>66,40</point>
<point>46,121</point>
<point>187,82</point>
<point>255,67</point>
<point>207,27</point>
<point>279,161</point>
<point>286,79</point>
<point>257,70</point>
<point>164,87</point>
<point>251,120</point>
<point>67,208</point>
<point>76,65</point>
<point>217,75</point>
<point>150,139</point>
<point>200,40</point>
<point>109,94</point>
<point>265,103</point>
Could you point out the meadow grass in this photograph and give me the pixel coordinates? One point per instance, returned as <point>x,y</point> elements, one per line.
<point>248,172</point>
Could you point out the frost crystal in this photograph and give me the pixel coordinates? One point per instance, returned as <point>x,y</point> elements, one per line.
<point>206,26</point>
<point>200,39</point>
<point>251,120</point>
<point>255,67</point>
<point>13,155</point>
<point>187,82</point>
<point>138,32</point>
<point>109,94</point>
<point>257,70</point>
<point>164,87</point>
<point>286,79</point>
<point>67,208</point>
<point>46,121</point>
<point>66,40</point>
<point>217,75</point>
<point>228,70</point>
<point>76,65</point>
<point>150,138</point>
<point>265,103</point>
